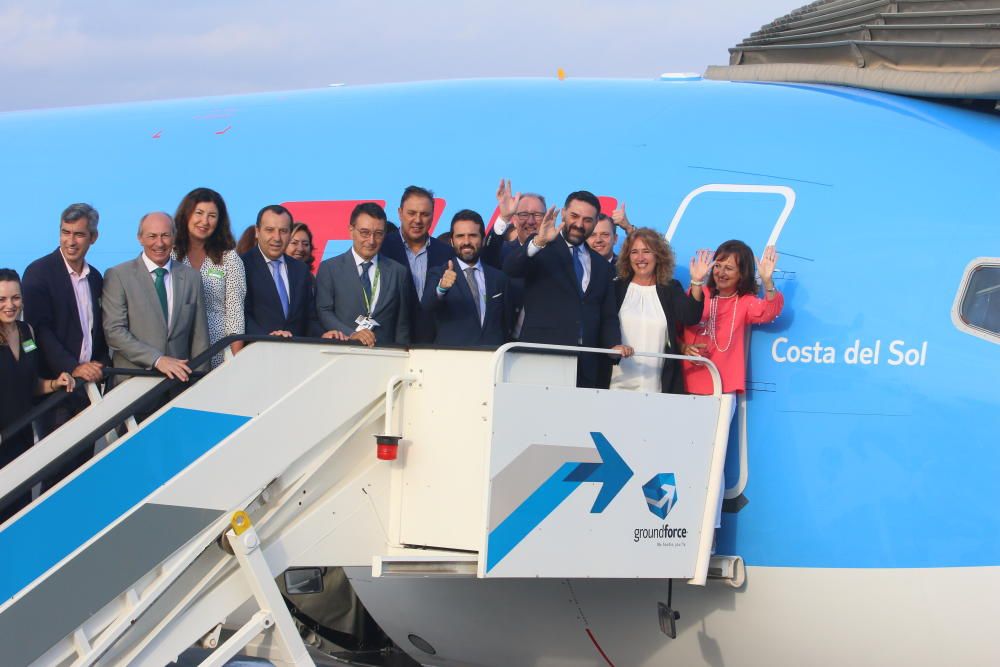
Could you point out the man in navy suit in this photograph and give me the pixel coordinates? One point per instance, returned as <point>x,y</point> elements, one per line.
<point>524,212</point>
<point>569,298</point>
<point>279,300</point>
<point>468,300</point>
<point>62,303</point>
<point>418,251</point>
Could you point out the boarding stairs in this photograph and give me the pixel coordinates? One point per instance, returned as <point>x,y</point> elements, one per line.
<point>178,528</point>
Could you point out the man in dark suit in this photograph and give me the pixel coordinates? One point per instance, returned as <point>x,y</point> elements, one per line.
<point>279,300</point>
<point>415,249</point>
<point>62,303</point>
<point>468,299</point>
<point>568,293</point>
<point>360,295</point>
<point>62,300</point>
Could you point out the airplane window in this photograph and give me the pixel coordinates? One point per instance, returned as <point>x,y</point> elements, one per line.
<point>981,304</point>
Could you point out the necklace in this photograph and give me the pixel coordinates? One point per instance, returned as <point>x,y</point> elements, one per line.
<point>713,321</point>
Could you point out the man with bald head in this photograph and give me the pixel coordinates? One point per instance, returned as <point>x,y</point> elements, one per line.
<point>154,316</point>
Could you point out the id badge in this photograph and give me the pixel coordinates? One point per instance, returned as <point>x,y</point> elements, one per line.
<point>29,345</point>
<point>219,274</point>
<point>365,323</point>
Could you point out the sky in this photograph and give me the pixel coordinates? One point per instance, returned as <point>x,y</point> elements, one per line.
<point>56,53</point>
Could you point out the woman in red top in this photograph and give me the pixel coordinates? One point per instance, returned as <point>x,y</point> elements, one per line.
<point>732,305</point>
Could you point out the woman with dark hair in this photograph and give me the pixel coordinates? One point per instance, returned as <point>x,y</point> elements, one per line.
<point>651,306</point>
<point>248,239</point>
<point>731,305</point>
<point>300,245</point>
<point>205,243</point>
<point>19,369</point>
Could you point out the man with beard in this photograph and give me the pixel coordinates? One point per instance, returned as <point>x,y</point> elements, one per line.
<point>469,301</point>
<point>568,294</point>
<point>417,251</point>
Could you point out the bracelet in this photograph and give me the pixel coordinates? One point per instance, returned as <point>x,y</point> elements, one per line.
<point>697,283</point>
<point>771,290</point>
<point>441,290</point>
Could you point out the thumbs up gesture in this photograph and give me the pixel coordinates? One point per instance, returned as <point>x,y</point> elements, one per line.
<point>448,279</point>
<point>621,220</point>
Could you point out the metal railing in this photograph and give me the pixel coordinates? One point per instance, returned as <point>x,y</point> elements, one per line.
<point>573,350</point>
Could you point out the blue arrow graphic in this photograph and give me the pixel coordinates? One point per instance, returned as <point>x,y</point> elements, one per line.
<point>612,473</point>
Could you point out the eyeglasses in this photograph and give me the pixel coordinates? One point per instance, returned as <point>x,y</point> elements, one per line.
<point>524,215</point>
<point>367,233</point>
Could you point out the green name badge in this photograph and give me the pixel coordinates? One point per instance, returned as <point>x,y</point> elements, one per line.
<point>29,345</point>
<point>217,273</point>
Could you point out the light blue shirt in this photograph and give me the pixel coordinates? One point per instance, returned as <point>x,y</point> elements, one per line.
<point>418,263</point>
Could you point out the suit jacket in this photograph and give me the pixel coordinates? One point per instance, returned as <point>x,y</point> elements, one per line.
<point>455,316</point>
<point>262,307</point>
<point>555,312</point>
<point>438,254</point>
<point>680,309</point>
<point>133,320</point>
<point>50,308</point>
<point>339,298</point>
<point>495,252</point>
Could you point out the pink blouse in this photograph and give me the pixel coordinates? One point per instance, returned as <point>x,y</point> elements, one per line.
<point>728,350</point>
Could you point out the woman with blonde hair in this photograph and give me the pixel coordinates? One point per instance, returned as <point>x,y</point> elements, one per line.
<point>652,306</point>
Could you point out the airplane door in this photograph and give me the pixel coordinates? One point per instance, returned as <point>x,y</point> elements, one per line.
<point>755,214</point>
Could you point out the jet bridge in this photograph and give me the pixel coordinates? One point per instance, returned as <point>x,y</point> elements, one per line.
<point>504,469</point>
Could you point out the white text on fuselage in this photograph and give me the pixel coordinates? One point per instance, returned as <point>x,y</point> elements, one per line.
<point>895,353</point>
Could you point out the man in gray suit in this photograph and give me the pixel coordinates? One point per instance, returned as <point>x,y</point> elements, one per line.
<point>359,295</point>
<point>154,316</point>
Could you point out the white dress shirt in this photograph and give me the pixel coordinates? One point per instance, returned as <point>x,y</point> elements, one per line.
<point>282,271</point>
<point>168,282</point>
<point>81,288</point>
<point>480,283</point>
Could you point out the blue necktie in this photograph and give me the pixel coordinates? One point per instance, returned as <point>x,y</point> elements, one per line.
<point>280,284</point>
<point>578,267</point>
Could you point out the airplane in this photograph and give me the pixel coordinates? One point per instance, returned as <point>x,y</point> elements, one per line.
<point>859,465</point>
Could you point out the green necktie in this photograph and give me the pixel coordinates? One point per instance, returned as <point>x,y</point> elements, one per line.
<point>161,290</point>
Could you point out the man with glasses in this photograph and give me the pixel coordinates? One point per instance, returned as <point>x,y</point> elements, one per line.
<point>524,212</point>
<point>360,295</point>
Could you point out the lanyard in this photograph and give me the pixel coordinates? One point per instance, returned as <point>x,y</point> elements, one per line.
<point>364,295</point>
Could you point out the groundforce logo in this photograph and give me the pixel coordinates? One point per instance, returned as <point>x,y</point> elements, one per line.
<point>661,494</point>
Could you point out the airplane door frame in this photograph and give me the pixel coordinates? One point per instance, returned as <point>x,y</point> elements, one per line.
<point>737,188</point>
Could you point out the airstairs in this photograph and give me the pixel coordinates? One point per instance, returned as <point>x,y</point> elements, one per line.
<point>494,465</point>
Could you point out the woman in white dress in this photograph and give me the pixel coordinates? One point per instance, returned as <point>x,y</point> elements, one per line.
<point>204,242</point>
<point>651,307</point>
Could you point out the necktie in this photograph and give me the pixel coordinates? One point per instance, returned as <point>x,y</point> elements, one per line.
<point>366,283</point>
<point>578,267</point>
<point>280,284</point>
<point>470,277</point>
<point>161,290</point>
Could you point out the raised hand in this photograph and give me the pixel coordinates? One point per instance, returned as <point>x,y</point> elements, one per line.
<point>547,230</point>
<point>765,264</point>
<point>506,202</point>
<point>448,277</point>
<point>700,265</point>
<point>621,220</point>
